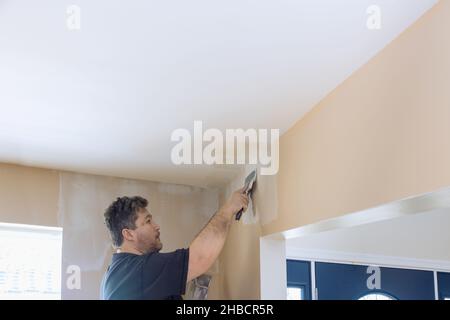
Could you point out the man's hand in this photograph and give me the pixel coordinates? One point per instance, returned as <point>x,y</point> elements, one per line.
<point>235,203</point>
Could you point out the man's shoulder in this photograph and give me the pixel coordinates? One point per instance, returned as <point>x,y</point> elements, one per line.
<point>154,259</point>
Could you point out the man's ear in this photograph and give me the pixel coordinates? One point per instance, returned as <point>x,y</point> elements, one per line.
<point>127,234</point>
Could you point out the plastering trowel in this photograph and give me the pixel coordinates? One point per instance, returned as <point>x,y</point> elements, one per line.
<point>248,189</point>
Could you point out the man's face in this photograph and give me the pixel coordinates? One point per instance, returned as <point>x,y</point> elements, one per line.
<point>146,233</point>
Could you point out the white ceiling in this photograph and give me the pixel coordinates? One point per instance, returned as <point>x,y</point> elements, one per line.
<point>105,99</point>
<point>422,236</point>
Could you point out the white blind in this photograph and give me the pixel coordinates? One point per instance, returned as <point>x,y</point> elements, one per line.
<point>30,262</point>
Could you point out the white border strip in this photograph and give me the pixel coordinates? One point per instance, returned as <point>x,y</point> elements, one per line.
<point>366,259</point>
<point>313,281</point>
<point>436,286</point>
<point>28,227</point>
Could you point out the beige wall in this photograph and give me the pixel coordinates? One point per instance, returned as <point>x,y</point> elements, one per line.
<point>28,195</point>
<point>76,203</point>
<point>239,260</point>
<point>382,135</point>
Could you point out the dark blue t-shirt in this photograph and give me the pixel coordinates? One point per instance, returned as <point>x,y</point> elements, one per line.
<point>153,275</point>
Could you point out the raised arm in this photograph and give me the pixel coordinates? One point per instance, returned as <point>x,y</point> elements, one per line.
<point>206,246</point>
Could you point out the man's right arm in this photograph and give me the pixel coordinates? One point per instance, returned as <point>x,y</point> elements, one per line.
<point>206,246</point>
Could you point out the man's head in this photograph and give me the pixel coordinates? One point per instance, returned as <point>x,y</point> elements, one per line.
<point>132,226</point>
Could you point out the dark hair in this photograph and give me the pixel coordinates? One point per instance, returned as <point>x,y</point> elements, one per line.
<point>122,214</point>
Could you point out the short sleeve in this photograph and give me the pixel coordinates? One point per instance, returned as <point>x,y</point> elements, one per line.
<point>165,274</point>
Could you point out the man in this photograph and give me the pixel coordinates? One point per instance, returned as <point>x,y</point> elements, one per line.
<point>139,271</point>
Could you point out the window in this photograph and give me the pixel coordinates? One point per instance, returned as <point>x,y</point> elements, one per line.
<point>298,280</point>
<point>30,262</point>
<point>376,296</point>
<point>295,293</point>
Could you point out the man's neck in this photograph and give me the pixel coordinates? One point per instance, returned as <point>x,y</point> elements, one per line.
<point>129,249</point>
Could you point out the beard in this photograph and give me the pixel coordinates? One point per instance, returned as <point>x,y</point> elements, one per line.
<point>149,245</point>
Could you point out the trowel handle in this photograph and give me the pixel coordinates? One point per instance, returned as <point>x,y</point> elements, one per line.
<point>247,193</point>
